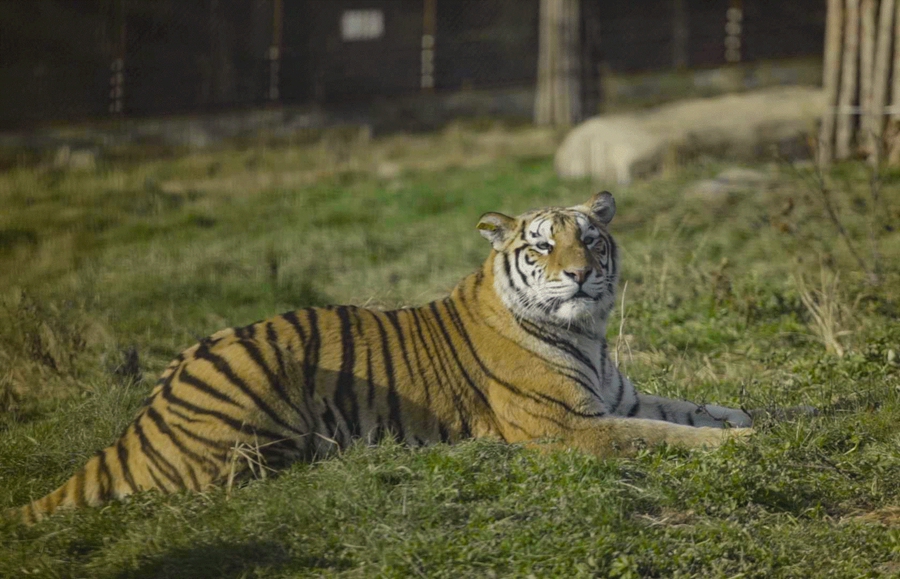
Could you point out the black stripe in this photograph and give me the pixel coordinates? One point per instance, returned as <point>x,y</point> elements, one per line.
<point>275,380</point>
<point>454,316</point>
<point>181,415</point>
<point>370,397</point>
<point>620,392</point>
<point>233,423</point>
<point>479,278</point>
<point>632,412</point>
<point>161,463</point>
<point>690,418</point>
<point>451,380</point>
<point>506,270</point>
<point>186,377</point>
<point>522,275</point>
<point>462,413</point>
<point>423,346</point>
<point>165,430</point>
<point>159,483</point>
<point>122,454</point>
<point>396,418</point>
<point>554,341</point>
<point>225,369</point>
<point>105,478</point>
<point>331,425</point>
<point>80,498</point>
<point>291,318</point>
<point>344,395</point>
<point>662,413</point>
<point>193,476</point>
<point>311,352</point>
<point>448,341</point>
<point>272,338</point>
<point>222,446</point>
<point>246,332</point>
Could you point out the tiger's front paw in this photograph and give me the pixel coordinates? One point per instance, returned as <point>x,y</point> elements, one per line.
<point>714,437</point>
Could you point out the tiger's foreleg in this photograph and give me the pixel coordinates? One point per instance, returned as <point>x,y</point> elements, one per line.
<point>689,413</point>
<point>608,437</point>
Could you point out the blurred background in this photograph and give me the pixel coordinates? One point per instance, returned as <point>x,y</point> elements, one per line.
<point>393,64</point>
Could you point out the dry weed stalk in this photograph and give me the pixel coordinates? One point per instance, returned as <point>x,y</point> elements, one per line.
<point>619,338</point>
<point>252,455</point>
<point>828,314</point>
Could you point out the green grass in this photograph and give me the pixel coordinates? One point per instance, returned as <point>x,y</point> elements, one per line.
<point>151,255</point>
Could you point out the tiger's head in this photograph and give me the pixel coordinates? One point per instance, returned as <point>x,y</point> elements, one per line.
<point>556,265</point>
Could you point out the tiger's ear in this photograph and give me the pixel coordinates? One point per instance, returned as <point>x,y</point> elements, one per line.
<point>496,228</point>
<point>603,206</point>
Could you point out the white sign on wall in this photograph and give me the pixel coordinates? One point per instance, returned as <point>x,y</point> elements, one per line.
<point>362,25</point>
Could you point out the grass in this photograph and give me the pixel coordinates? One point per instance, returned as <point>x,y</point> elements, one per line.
<point>106,274</point>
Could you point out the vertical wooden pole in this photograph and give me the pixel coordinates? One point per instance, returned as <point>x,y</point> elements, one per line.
<point>866,67</point>
<point>558,95</point>
<point>895,75</point>
<point>569,85</point>
<point>546,35</point>
<point>892,145</point>
<point>830,78</point>
<point>847,94</point>
<point>880,80</point>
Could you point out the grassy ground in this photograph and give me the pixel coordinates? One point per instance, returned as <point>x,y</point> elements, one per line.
<point>746,295</point>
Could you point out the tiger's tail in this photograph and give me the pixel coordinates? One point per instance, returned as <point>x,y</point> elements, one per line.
<point>106,476</point>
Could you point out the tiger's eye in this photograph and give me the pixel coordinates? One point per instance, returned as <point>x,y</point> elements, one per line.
<point>544,246</point>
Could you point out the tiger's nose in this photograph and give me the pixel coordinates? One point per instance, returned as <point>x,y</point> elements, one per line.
<point>578,274</point>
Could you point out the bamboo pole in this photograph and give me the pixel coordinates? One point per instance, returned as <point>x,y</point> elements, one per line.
<point>848,81</point>
<point>880,74</point>
<point>866,69</point>
<point>831,71</point>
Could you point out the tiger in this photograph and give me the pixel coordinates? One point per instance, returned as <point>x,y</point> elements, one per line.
<point>516,352</point>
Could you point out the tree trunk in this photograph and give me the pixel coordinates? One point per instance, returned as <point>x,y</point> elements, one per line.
<point>893,133</point>
<point>558,96</point>
<point>830,78</point>
<point>880,80</point>
<point>848,80</point>
<point>866,67</point>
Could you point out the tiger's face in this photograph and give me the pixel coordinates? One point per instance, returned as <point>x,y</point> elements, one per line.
<point>556,265</point>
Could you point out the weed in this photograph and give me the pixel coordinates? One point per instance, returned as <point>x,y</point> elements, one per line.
<point>829,315</point>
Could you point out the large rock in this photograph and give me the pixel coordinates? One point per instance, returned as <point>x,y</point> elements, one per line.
<point>741,126</point>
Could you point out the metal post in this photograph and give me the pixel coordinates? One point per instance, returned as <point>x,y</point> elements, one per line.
<point>429,28</point>
<point>117,66</point>
<point>733,18</point>
<point>275,51</point>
